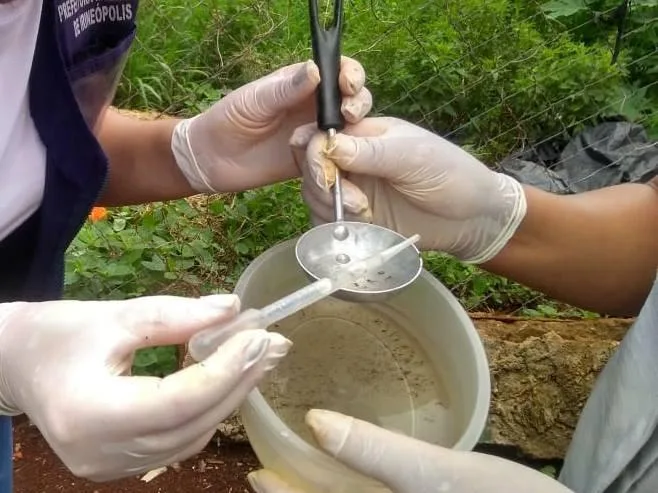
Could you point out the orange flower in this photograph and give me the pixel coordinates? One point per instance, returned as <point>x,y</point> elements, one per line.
<point>98,214</point>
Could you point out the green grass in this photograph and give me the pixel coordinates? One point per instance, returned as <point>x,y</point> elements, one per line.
<point>491,75</point>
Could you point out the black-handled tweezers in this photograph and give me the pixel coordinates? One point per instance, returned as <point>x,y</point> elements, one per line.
<point>326,54</point>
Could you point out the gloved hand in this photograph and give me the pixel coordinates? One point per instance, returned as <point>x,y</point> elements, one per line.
<point>406,465</point>
<point>65,365</point>
<point>241,142</point>
<point>410,180</point>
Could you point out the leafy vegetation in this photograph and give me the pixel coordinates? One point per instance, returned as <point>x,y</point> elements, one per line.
<point>494,76</point>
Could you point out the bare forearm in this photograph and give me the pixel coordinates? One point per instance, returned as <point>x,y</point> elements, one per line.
<point>596,250</point>
<point>142,166</point>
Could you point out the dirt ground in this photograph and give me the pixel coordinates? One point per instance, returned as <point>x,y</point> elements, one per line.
<point>218,469</point>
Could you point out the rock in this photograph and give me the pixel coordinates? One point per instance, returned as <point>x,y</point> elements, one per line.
<point>542,373</point>
<point>231,430</point>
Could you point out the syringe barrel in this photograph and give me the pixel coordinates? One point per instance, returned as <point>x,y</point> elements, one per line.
<point>296,301</point>
<point>204,343</point>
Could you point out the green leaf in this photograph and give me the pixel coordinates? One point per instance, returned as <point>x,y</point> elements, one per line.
<point>71,278</point>
<point>547,310</point>
<point>148,221</point>
<point>155,361</point>
<point>216,207</point>
<point>155,264</point>
<point>563,8</point>
<point>145,357</point>
<point>187,251</point>
<point>132,256</point>
<point>119,270</point>
<point>241,248</point>
<point>119,224</point>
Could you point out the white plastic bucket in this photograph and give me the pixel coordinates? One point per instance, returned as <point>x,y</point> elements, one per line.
<point>438,325</point>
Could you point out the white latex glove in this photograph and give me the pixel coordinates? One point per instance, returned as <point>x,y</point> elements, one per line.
<point>241,142</point>
<point>406,465</point>
<point>412,181</point>
<point>65,364</point>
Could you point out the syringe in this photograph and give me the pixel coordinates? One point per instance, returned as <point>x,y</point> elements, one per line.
<point>206,342</point>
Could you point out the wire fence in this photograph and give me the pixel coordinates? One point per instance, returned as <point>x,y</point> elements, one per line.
<point>562,94</point>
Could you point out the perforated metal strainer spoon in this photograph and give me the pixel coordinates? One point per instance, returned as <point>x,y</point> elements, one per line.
<point>322,248</point>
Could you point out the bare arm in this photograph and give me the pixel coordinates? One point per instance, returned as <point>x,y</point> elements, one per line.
<point>596,250</point>
<point>142,166</point>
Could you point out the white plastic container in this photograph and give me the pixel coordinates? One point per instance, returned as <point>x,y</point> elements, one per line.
<point>417,355</point>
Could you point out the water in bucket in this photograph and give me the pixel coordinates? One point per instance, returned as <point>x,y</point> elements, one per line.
<point>357,359</point>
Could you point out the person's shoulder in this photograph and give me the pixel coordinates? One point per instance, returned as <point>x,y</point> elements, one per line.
<point>19,27</point>
<point>12,11</point>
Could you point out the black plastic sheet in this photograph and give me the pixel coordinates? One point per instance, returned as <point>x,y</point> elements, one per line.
<point>607,154</point>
